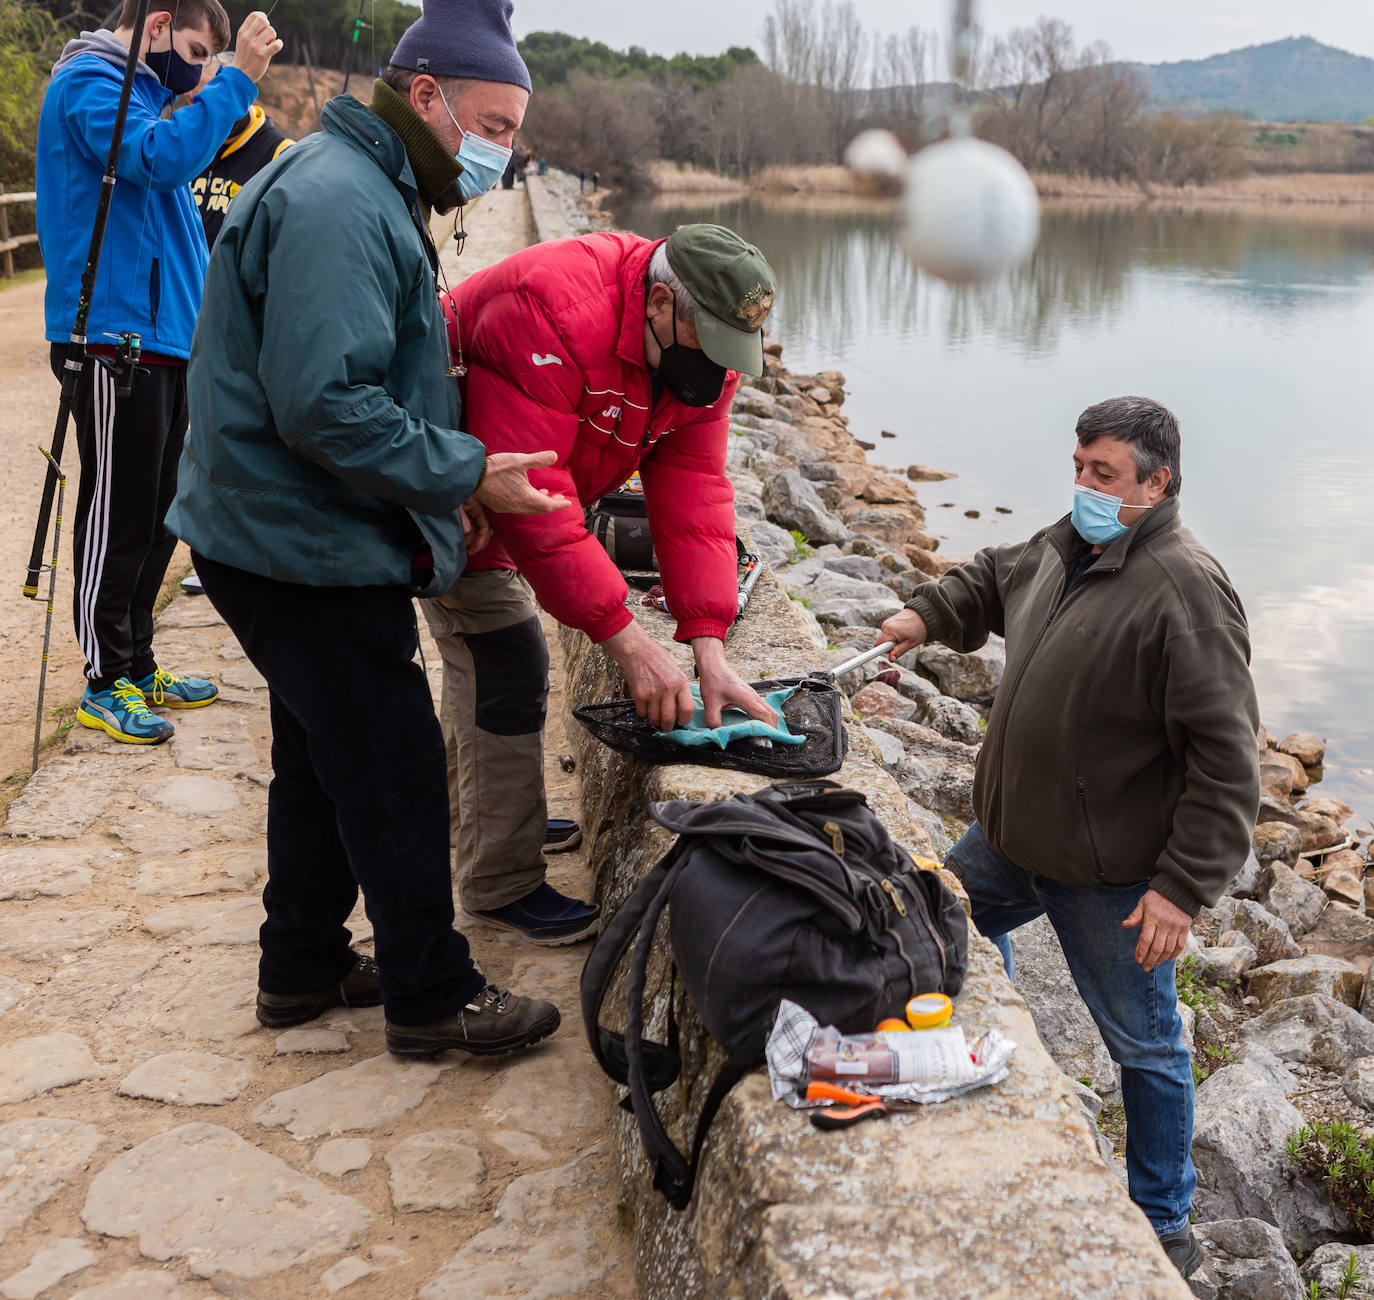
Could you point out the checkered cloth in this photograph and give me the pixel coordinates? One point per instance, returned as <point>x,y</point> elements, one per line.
<point>936,1064</point>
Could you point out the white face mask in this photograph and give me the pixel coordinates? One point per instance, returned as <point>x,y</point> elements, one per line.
<point>482,160</point>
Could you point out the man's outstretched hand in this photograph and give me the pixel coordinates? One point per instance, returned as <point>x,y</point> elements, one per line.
<point>907,628</point>
<point>506,487</point>
<point>1163,929</point>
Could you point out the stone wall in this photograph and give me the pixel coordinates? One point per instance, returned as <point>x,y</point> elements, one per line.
<point>1000,1193</point>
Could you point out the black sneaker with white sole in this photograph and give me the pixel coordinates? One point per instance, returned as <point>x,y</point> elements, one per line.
<point>495,1021</point>
<point>561,834</point>
<point>361,987</point>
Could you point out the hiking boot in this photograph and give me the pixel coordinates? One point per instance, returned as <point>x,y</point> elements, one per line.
<point>123,713</point>
<point>168,691</point>
<point>545,917</point>
<point>495,1021</point>
<point>361,987</point>
<point>561,834</point>
<point>1183,1250</point>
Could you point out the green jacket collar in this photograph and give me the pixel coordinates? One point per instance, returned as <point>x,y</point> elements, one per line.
<point>436,170</point>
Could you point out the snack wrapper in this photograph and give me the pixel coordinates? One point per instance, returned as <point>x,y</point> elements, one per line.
<point>926,1065</point>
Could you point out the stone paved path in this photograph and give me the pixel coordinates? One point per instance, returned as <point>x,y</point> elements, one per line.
<point>155,1142</point>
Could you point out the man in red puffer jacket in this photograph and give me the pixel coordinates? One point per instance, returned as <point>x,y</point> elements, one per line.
<point>620,353</point>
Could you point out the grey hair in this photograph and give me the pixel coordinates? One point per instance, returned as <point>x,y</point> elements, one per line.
<point>660,272</point>
<point>1149,428</point>
<point>401,79</point>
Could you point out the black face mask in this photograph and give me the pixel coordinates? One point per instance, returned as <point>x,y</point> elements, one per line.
<point>173,71</point>
<point>692,377</point>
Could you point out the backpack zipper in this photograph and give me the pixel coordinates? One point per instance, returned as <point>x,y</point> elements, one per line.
<point>836,837</point>
<point>891,891</point>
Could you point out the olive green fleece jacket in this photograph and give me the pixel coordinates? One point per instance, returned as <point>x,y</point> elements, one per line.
<point>1121,746</point>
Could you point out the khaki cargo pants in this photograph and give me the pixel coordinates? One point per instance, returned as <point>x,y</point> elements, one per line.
<point>496,688</point>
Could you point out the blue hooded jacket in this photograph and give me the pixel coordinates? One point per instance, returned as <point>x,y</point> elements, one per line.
<point>152,263</point>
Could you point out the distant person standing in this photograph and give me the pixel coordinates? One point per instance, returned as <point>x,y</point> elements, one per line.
<point>596,181</point>
<point>581,179</point>
<point>253,142</point>
<point>151,276</point>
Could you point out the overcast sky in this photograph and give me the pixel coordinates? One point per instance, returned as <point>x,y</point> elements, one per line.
<point>1163,30</point>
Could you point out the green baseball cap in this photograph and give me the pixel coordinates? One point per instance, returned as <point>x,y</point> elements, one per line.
<point>732,285</point>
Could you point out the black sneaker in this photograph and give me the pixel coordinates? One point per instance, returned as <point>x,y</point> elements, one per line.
<point>495,1021</point>
<point>545,917</point>
<point>1183,1250</point>
<point>561,834</point>
<point>361,987</point>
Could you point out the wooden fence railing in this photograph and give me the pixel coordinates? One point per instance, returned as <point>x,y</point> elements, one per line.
<point>8,242</point>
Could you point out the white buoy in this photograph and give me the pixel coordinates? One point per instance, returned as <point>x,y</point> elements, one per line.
<point>875,153</point>
<point>970,210</point>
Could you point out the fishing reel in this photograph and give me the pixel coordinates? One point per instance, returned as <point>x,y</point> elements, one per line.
<point>123,366</point>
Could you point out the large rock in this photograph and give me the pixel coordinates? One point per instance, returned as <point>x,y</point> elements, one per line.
<point>49,936</point>
<point>202,1194</point>
<point>1314,1029</point>
<point>33,871</point>
<point>1358,1082</point>
<point>1341,876</point>
<point>192,796</point>
<point>195,924</point>
<point>188,1079</point>
<point>1271,937</point>
<point>952,718</point>
<point>1061,1018</point>
<point>1281,776</point>
<point>1277,842</point>
<point>1306,746</point>
<point>545,1239</point>
<point>359,1097</point>
<point>442,1170</point>
<point>877,700</point>
<point>63,799</point>
<point>1338,810</point>
<point>1295,901</point>
<point>1249,1260</point>
<point>65,1256</point>
<point>1280,980</point>
<point>794,504</point>
<point>835,598</point>
<point>1318,830</point>
<point>1223,965</point>
<point>37,1158</point>
<point>1240,1133</point>
<point>1246,881</point>
<point>33,1065</point>
<point>1326,1264</point>
<point>973,677</point>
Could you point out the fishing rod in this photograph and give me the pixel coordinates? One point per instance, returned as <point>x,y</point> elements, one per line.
<point>126,352</point>
<point>358,26</point>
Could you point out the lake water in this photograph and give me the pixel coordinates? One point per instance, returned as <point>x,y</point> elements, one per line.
<point>1256,329</point>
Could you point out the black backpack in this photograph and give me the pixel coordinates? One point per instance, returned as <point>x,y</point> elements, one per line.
<point>796,891</point>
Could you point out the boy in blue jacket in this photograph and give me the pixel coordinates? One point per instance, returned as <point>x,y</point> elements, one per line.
<point>149,281</point>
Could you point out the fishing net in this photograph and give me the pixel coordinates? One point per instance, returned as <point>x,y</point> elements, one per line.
<point>812,712</point>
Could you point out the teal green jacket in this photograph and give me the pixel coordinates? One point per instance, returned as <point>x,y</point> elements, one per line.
<point>323,445</point>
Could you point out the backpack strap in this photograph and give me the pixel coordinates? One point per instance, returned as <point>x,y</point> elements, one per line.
<point>674,1174</point>
<point>661,1064</point>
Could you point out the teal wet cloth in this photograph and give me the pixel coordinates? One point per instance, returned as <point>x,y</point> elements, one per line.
<point>735,724</point>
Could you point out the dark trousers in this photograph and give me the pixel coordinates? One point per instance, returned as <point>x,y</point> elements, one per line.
<point>359,793</point>
<point>129,449</point>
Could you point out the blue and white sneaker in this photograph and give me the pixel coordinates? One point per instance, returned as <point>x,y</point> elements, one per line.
<point>168,691</point>
<point>545,917</point>
<point>122,713</point>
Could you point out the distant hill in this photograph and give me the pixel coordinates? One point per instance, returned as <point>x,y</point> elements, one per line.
<point>1297,79</point>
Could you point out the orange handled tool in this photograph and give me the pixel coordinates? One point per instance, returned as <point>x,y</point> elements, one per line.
<point>853,1107</point>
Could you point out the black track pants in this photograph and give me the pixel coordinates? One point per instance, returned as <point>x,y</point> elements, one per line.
<point>129,449</point>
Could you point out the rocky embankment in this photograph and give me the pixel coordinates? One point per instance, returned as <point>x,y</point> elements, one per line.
<point>1276,989</point>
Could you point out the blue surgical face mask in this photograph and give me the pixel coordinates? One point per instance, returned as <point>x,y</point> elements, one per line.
<point>1095,515</point>
<point>482,160</point>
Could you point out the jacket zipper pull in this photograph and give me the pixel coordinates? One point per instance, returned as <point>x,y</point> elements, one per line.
<point>836,837</point>
<point>891,891</point>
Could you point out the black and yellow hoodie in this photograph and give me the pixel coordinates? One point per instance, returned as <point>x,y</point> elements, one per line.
<point>251,145</point>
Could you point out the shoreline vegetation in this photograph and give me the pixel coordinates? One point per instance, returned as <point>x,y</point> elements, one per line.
<point>1331,188</point>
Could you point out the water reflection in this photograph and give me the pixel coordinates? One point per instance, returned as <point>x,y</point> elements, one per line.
<point>1254,327</point>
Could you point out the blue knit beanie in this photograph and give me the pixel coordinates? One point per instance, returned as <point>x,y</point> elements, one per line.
<point>463,38</point>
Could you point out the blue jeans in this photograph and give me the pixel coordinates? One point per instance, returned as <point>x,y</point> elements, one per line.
<point>1136,1011</point>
